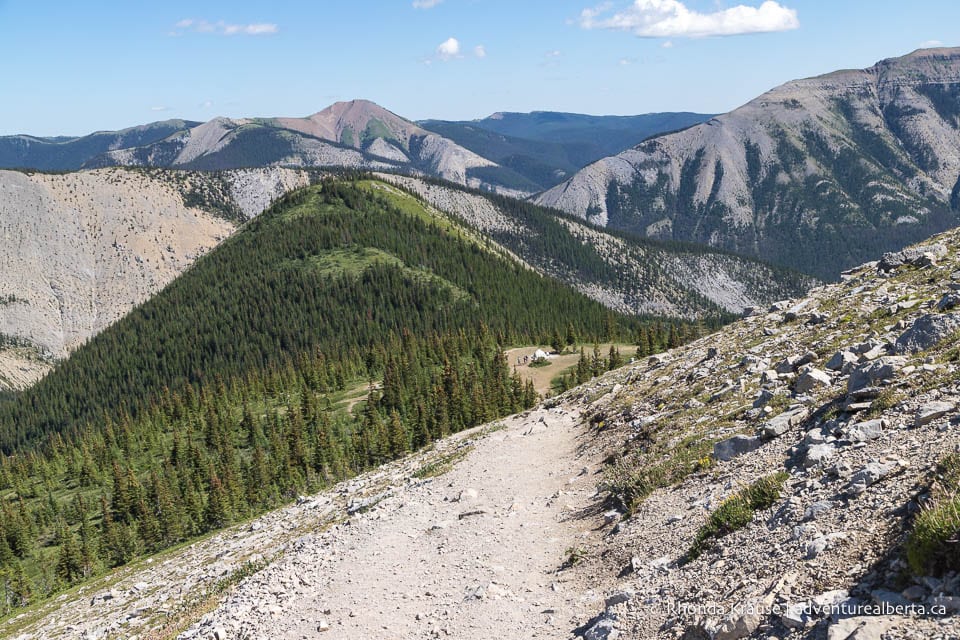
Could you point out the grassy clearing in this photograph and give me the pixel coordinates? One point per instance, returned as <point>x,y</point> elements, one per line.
<point>737,511</point>
<point>933,545</point>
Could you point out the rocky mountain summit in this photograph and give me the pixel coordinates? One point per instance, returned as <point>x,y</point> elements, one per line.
<point>79,250</point>
<point>792,174</point>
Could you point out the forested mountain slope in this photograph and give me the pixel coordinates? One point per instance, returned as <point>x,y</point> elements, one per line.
<point>796,174</point>
<point>621,270</point>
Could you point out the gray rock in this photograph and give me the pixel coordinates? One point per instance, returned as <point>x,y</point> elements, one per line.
<point>796,616</point>
<point>839,359</point>
<point>859,628</point>
<point>869,475</point>
<point>602,629</point>
<point>812,379</point>
<point>737,628</point>
<point>914,593</point>
<point>931,411</point>
<point>788,364</point>
<point>763,398</point>
<point>928,331</point>
<point>912,255</point>
<point>869,374</point>
<point>865,431</point>
<point>738,445</point>
<point>619,597</point>
<point>818,455</point>
<point>816,509</point>
<point>948,301</point>
<point>780,424</point>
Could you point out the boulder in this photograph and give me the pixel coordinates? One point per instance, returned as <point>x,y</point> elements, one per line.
<point>817,455</point>
<point>928,331</point>
<point>931,411</point>
<point>865,431</point>
<point>840,358</point>
<point>870,373</point>
<point>812,379</point>
<point>780,424</point>
<point>738,445</point>
<point>912,255</point>
<point>948,301</point>
<point>869,475</point>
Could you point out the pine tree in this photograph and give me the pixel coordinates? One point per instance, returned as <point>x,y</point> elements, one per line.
<point>397,436</point>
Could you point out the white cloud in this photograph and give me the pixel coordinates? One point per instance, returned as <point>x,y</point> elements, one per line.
<point>425,4</point>
<point>930,44</point>
<point>667,45</point>
<point>224,28</point>
<point>448,49</point>
<point>480,51</point>
<point>672,19</point>
<point>206,104</point>
<point>554,54</point>
<point>159,108</point>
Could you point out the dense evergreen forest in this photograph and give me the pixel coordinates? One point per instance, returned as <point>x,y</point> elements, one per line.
<point>221,397</point>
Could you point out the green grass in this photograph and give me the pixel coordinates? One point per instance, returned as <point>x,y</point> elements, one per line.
<point>630,483</point>
<point>933,545</point>
<point>542,362</point>
<point>443,464</point>
<point>737,511</point>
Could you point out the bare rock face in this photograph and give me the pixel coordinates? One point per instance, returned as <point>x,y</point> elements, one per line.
<point>768,177</point>
<point>77,251</point>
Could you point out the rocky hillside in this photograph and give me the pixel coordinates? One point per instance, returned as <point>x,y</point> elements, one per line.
<point>622,271</point>
<point>792,175</point>
<point>79,250</point>
<point>793,475</point>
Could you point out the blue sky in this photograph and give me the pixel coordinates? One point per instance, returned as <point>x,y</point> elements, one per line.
<point>76,67</point>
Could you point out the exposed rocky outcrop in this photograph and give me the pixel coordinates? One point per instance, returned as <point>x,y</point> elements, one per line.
<point>791,175</point>
<point>78,250</point>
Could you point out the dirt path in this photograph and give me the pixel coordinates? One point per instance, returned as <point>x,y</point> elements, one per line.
<point>474,553</point>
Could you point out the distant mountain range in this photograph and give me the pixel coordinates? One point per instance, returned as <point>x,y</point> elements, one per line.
<point>817,174</point>
<point>546,146</point>
<point>358,134</point>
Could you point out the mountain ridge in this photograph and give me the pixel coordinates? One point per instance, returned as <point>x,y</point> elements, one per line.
<point>804,163</point>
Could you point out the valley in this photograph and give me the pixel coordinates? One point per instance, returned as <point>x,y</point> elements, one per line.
<point>657,373</point>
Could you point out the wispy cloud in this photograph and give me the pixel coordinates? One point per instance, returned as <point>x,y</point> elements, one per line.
<point>425,4</point>
<point>448,49</point>
<point>222,28</point>
<point>480,51</point>
<point>672,19</point>
<point>159,108</point>
<point>930,44</point>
